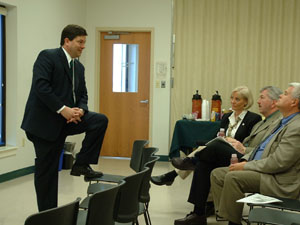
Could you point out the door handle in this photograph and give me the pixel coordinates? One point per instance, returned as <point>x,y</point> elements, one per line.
<point>144,101</point>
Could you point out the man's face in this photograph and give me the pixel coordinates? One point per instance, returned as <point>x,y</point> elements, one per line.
<point>264,103</point>
<point>286,99</point>
<point>76,46</point>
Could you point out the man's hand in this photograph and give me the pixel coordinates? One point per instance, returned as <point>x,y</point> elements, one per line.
<point>79,111</point>
<point>237,166</point>
<point>72,114</point>
<point>78,114</point>
<point>237,145</point>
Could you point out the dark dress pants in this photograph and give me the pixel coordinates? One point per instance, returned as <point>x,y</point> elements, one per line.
<point>216,154</point>
<point>48,153</point>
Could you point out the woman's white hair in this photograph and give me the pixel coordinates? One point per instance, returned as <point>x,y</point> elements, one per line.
<point>246,94</point>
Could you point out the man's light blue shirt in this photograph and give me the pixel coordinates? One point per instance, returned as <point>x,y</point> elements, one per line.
<point>262,146</point>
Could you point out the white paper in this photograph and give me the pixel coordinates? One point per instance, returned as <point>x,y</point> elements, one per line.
<point>258,199</point>
<point>222,139</point>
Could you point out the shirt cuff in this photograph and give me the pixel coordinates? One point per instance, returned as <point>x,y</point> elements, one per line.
<point>61,109</point>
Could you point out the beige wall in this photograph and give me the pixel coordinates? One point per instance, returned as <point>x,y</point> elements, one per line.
<point>36,24</point>
<point>222,44</point>
<point>137,14</point>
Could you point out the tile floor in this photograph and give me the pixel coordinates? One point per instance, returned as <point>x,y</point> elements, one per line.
<point>167,202</point>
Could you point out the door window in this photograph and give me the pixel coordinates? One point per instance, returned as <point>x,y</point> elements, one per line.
<point>125,67</point>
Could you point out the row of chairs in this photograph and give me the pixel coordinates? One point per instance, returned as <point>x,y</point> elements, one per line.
<point>112,199</point>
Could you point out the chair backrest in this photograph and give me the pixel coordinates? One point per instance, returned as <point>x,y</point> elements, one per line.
<point>144,191</point>
<point>137,153</point>
<point>148,152</point>
<point>62,215</point>
<point>101,206</point>
<point>127,203</point>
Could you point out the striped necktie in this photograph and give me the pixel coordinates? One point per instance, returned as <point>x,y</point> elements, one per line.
<point>73,79</point>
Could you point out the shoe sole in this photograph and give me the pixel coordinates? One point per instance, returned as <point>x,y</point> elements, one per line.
<point>160,184</point>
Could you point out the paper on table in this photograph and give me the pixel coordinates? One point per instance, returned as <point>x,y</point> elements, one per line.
<point>258,199</point>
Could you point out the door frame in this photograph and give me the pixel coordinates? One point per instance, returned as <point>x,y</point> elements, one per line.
<point>97,67</point>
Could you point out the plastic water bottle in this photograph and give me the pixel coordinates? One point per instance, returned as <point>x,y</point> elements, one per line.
<point>234,159</point>
<point>221,132</point>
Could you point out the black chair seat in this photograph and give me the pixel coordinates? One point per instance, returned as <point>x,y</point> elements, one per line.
<point>286,204</point>
<point>95,187</point>
<point>273,216</point>
<point>137,158</point>
<point>107,178</point>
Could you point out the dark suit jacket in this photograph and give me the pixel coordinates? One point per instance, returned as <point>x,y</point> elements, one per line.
<point>245,127</point>
<point>51,89</point>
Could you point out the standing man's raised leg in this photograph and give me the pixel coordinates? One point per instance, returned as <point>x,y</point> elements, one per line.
<point>94,125</point>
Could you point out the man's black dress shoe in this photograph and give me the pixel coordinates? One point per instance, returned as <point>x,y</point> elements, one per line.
<point>183,163</point>
<point>85,170</point>
<point>162,180</point>
<point>191,219</point>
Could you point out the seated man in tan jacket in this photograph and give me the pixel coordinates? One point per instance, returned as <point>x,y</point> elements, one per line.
<point>273,168</point>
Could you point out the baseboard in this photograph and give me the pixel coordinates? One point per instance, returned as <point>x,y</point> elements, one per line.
<point>16,174</point>
<point>163,158</point>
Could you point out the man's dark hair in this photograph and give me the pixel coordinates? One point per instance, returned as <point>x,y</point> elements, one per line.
<point>72,31</point>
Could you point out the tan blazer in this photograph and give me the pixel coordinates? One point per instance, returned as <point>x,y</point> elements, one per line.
<point>259,131</point>
<point>280,163</point>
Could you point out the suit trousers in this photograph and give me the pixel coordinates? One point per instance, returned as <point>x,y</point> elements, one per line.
<point>48,153</point>
<point>185,173</point>
<point>228,187</point>
<point>216,154</point>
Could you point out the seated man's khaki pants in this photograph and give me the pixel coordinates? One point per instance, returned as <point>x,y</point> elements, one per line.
<point>228,187</point>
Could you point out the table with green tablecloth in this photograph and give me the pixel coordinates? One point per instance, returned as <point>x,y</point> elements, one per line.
<point>188,132</point>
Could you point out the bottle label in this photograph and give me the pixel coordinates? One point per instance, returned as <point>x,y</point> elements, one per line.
<point>234,160</point>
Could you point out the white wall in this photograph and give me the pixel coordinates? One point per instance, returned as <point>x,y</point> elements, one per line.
<point>37,24</point>
<point>132,14</point>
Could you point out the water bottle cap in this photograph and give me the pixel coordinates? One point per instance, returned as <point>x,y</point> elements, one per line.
<point>234,155</point>
<point>222,129</point>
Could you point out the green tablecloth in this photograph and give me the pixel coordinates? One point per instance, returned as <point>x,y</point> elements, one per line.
<point>187,133</point>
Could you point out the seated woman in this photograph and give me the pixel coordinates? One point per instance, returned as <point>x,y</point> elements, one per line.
<point>237,124</point>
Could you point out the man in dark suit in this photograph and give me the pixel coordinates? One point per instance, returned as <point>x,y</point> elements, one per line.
<point>57,107</point>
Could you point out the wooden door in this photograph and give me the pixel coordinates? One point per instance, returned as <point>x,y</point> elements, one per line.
<point>128,112</point>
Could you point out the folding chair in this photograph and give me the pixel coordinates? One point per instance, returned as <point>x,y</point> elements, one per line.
<point>127,203</point>
<point>281,213</point>
<point>144,196</point>
<point>100,207</point>
<point>135,163</point>
<point>62,215</point>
